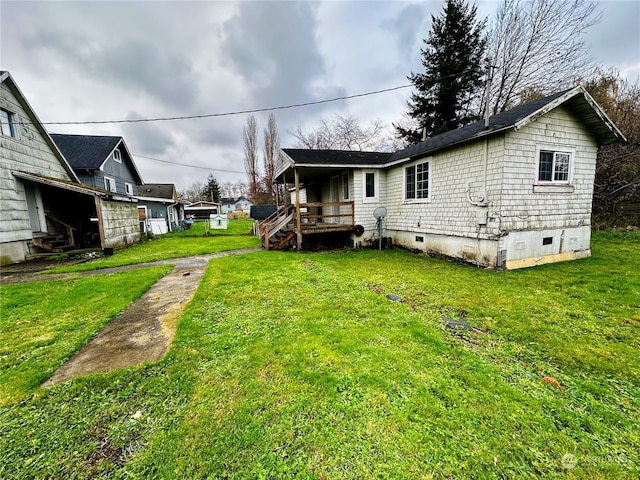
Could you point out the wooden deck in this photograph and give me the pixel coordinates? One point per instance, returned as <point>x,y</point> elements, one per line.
<point>306,219</point>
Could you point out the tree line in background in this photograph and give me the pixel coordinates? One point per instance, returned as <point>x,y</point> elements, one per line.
<point>212,191</point>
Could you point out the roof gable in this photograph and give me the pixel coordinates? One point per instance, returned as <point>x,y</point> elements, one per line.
<point>90,152</point>
<point>576,99</point>
<point>6,78</point>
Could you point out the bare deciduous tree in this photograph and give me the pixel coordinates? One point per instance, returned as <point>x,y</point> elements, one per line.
<point>617,182</point>
<point>250,140</point>
<point>344,133</point>
<point>538,45</point>
<point>271,151</point>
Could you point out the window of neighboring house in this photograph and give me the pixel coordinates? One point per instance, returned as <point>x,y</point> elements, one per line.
<point>8,124</point>
<point>345,186</point>
<point>416,181</point>
<point>117,156</point>
<point>370,186</point>
<point>110,184</point>
<point>554,166</point>
<point>128,188</point>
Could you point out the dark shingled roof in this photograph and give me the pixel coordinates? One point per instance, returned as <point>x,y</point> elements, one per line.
<point>336,157</point>
<point>85,151</point>
<point>498,122</point>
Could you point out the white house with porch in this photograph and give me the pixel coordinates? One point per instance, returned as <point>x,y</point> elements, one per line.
<point>512,192</point>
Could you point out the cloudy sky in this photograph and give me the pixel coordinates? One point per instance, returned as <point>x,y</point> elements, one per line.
<point>95,61</point>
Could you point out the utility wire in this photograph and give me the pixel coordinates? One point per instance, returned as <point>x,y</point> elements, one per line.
<point>187,165</point>
<point>240,112</point>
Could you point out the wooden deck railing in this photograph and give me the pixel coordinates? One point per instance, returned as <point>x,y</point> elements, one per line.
<point>309,217</point>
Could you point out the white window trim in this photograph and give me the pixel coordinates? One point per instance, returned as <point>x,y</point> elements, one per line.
<point>404,181</point>
<point>376,186</point>
<point>128,188</point>
<point>108,181</point>
<point>12,123</point>
<point>117,156</point>
<point>555,149</point>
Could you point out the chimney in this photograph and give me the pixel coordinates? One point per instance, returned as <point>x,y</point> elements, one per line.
<point>489,76</point>
<point>424,133</point>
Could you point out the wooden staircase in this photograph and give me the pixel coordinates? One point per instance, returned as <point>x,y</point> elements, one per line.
<point>277,229</point>
<point>53,243</point>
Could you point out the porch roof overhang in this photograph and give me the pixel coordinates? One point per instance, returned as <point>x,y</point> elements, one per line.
<point>316,164</point>
<point>73,187</point>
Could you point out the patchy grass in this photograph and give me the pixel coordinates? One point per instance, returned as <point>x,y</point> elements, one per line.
<point>174,245</point>
<point>290,365</point>
<point>44,323</point>
<point>239,226</point>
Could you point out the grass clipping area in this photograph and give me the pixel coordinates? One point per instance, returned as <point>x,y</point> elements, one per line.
<point>290,365</point>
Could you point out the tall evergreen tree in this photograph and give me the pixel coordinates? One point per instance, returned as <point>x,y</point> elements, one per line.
<point>449,90</point>
<point>211,190</point>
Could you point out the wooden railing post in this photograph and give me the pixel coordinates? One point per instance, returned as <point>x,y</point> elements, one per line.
<point>297,226</point>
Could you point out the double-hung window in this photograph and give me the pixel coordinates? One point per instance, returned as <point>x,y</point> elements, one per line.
<point>416,181</point>
<point>110,184</point>
<point>554,167</point>
<point>8,124</point>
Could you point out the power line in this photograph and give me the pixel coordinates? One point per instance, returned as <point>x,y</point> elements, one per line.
<point>240,112</point>
<point>187,165</point>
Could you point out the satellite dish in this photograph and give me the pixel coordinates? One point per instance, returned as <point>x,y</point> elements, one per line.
<point>379,213</point>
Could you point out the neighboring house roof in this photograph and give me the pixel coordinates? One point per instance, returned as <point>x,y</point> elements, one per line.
<point>203,203</point>
<point>5,77</point>
<point>89,152</point>
<point>230,200</point>
<point>157,190</point>
<point>576,99</point>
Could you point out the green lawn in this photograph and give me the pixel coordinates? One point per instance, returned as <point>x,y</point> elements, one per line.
<point>175,245</point>
<point>296,365</point>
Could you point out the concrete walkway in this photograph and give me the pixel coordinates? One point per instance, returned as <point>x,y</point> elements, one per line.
<point>143,333</point>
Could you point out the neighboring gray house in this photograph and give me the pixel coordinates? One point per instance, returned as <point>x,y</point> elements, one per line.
<point>159,209</point>
<point>100,161</point>
<point>514,193</point>
<point>43,206</point>
<point>240,204</point>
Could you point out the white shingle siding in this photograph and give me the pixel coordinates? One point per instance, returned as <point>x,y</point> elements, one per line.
<point>120,223</point>
<point>31,153</point>
<point>517,218</point>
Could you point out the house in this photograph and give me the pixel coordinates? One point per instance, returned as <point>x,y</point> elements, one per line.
<point>101,161</point>
<point>44,206</point>
<point>240,204</point>
<point>511,192</point>
<point>202,210</point>
<point>159,209</point>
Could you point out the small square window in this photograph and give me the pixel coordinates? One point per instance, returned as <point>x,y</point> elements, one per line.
<point>547,240</point>
<point>553,167</point>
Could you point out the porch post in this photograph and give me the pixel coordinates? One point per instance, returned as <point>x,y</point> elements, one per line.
<point>298,232</point>
<point>103,237</point>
